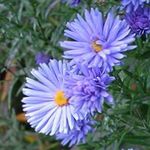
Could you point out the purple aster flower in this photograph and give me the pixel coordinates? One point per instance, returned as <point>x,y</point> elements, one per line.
<point>139,20</point>
<point>78,134</point>
<point>42,58</point>
<point>131,5</point>
<point>72,3</point>
<point>47,105</point>
<point>97,42</point>
<point>88,89</point>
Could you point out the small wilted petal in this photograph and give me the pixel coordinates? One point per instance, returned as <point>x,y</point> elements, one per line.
<point>75,3</point>
<point>72,3</point>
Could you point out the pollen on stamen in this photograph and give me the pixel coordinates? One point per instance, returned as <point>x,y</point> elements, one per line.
<point>60,98</point>
<point>97,47</point>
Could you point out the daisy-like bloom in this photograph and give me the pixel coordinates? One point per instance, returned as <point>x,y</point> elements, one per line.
<point>89,89</point>
<point>78,134</point>
<point>42,58</point>
<point>97,42</point>
<point>47,105</point>
<point>139,20</point>
<point>72,3</point>
<point>131,5</point>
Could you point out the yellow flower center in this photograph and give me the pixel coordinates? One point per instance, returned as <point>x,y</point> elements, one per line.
<point>97,47</point>
<point>60,98</point>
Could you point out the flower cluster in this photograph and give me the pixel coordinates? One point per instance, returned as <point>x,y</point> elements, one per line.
<point>63,96</point>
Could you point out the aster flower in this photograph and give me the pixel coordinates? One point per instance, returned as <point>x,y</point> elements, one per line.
<point>42,58</point>
<point>88,89</point>
<point>72,3</point>
<point>78,134</point>
<point>97,42</point>
<point>139,20</point>
<point>47,105</point>
<point>131,5</point>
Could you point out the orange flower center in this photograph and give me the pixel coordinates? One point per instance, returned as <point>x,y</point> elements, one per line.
<point>97,47</point>
<point>60,98</point>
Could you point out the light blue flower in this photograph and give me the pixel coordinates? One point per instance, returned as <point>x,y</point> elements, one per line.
<point>89,89</point>
<point>97,42</point>
<point>47,104</point>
